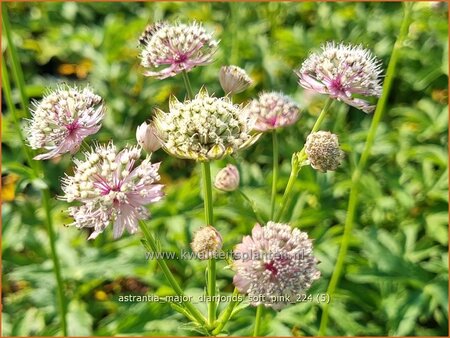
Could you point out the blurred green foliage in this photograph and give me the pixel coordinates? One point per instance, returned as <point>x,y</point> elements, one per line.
<point>395,281</point>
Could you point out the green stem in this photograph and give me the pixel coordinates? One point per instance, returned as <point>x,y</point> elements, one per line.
<point>298,160</point>
<point>353,198</point>
<point>226,314</point>
<point>54,253</point>
<point>35,166</point>
<point>259,312</point>
<point>172,281</point>
<point>206,170</point>
<point>187,84</point>
<point>6,86</point>
<point>252,205</point>
<point>274,173</point>
<point>15,64</point>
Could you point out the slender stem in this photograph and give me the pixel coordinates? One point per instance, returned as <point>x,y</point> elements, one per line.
<point>35,166</point>
<point>226,314</point>
<point>6,86</point>
<point>353,198</point>
<point>187,84</point>
<point>274,173</point>
<point>288,191</point>
<point>172,281</point>
<point>54,253</point>
<point>298,160</point>
<point>206,170</point>
<point>324,111</point>
<point>253,206</point>
<point>15,64</point>
<point>259,312</point>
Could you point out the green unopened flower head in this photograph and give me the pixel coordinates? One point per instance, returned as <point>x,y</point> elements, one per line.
<point>204,128</point>
<point>322,149</point>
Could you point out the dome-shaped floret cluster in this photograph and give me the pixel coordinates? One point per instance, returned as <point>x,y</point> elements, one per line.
<point>203,128</point>
<point>62,119</point>
<point>322,149</point>
<point>344,72</point>
<point>207,242</point>
<point>275,265</point>
<point>234,79</point>
<point>169,49</point>
<point>113,188</point>
<point>273,110</point>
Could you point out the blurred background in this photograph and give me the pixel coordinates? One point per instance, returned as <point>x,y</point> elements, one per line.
<point>395,280</point>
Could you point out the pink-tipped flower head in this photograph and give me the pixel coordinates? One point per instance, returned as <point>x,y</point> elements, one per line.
<point>167,49</point>
<point>146,138</point>
<point>112,187</point>
<point>274,265</point>
<point>234,79</point>
<point>227,179</point>
<point>273,110</point>
<point>62,119</point>
<point>344,72</point>
<point>204,128</point>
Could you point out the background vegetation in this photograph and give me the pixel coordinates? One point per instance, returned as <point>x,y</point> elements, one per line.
<point>395,280</point>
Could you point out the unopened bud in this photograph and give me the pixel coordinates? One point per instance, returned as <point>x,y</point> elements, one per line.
<point>227,179</point>
<point>146,138</point>
<point>207,242</point>
<point>234,79</point>
<point>322,149</point>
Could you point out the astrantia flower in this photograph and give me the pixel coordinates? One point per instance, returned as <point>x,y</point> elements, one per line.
<point>322,149</point>
<point>62,119</point>
<point>227,179</point>
<point>345,72</point>
<point>113,188</point>
<point>203,128</point>
<point>207,242</point>
<point>274,265</point>
<point>170,49</point>
<point>234,79</point>
<point>273,110</point>
<point>146,138</point>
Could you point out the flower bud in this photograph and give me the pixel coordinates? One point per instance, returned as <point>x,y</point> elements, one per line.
<point>322,149</point>
<point>207,242</point>
<point>146,138</point>
<point>234,79</point>
<point>227,179</point>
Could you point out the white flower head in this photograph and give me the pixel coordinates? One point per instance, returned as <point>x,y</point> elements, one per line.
<point>111,187</point>
<point>169,49</point>
<point>62,119</point>
<point>204,128</point>
<point>344,72</point>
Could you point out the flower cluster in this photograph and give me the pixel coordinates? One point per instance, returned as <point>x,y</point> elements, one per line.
<point>234,79</point>
<point>322,149</point>
<point>112,188</point>
<point>343,71</point>
<point>203,128</point>
<point>62,119</point>
<point>207,242</point>
<point>275,264</point>
<point>273,110</point>
<point>178,47</point>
